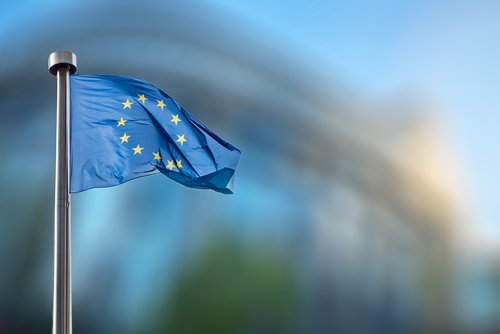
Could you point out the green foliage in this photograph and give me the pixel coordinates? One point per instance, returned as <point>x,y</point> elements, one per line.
<point>229,289</point>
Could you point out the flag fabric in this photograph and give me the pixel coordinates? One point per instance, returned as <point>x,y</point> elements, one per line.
<point>123,128</point>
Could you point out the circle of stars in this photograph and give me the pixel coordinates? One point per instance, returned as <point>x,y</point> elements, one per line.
<point>137,150</point>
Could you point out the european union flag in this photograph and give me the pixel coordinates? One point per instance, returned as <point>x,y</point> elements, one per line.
<point>124,128</point>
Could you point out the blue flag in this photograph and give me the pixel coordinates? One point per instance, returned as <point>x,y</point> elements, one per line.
<point>124,128</point>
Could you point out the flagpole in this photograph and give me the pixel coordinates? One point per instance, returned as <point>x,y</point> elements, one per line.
<point>62,64</point>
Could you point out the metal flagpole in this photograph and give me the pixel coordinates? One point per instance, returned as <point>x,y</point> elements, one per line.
<point>61,64</point>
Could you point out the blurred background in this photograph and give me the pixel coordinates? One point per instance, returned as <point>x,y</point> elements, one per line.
<point>366,195</point>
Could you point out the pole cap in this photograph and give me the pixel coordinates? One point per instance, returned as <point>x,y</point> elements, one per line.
<point>62,58</point>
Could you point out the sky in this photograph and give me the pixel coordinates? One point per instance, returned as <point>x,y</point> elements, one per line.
<point>446,50</point>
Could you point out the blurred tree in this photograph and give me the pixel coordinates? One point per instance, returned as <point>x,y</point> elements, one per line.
<point>232,289</point>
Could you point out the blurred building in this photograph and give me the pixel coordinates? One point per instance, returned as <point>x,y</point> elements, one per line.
<point>352,193</point>
<point>383,232</point>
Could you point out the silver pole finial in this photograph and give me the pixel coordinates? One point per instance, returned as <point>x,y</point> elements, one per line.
<point>62,58</point>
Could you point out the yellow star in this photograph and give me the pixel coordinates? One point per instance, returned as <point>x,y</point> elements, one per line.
<point>181,139</point>
<point>127,104</point>
<point>157,156</point>
<point>170,164</point>
<point>121,121</point>
<point>160,104</point>
<point>138,149</point>
<point>179,163</point>
<point>175,119</point>
<point>142,98</point>
<point>124,138</point>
